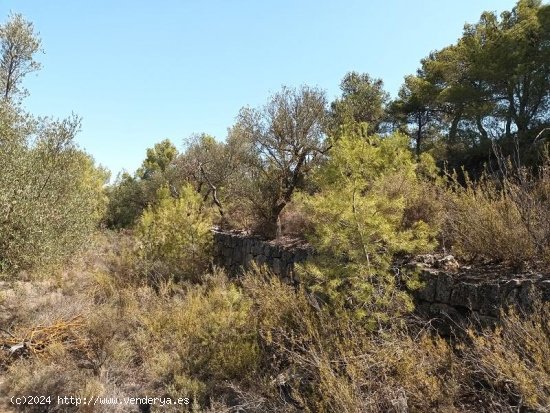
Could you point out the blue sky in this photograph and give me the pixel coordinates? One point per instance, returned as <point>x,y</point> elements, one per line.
<point>141,71</point>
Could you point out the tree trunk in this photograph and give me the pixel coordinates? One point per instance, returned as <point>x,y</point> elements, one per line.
<point>481,129</point>
<point>454,126</point>
<point>419,134</point>
<point>276,216</point>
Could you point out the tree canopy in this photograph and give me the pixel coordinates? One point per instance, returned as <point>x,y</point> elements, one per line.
<point>20,44</point>
<point>363,101</point>
<point>287,137</point>
<point>493,85</point>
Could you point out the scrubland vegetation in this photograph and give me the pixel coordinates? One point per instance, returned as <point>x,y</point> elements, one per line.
<point>109,289</point>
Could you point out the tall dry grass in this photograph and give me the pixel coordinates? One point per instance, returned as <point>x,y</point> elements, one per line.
<point>504,217</point>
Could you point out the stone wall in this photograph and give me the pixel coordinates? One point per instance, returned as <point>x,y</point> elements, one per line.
<point>453,299</point>
<point>451,295</point>
<point>236,251</point>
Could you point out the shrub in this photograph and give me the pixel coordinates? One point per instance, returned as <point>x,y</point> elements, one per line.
<point>42,378</point>
<point>504,219</point>
<point>52,194</point>
<point>514,360</point>
<point>176,235</point>
<point>199,341</point>
<point>363,216</point>
<point>322,362</point>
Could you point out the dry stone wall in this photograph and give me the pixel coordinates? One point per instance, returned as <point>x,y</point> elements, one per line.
<point>450,296</point>
<point>236,252</point>
<point>454,299</point>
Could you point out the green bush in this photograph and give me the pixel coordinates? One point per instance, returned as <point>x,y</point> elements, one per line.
<point>176,235</point>
<point>365,213</point>
<point>52,194</point>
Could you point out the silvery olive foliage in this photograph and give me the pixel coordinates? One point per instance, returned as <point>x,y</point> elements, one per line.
<point>51,193</point>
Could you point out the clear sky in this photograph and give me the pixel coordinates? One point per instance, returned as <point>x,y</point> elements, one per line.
<point>141,71</point>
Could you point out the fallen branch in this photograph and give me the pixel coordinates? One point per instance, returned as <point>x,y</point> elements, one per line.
<point>34,341</point>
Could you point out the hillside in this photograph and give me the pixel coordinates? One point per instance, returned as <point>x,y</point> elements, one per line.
<point>365,254</point>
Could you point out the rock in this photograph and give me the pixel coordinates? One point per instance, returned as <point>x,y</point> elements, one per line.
<point>286,257</point>
<point>489,296</point>
<point>526,294</point>
<point>256,248</point>
<point>228,261</point>
<point>423,308</point>
<point>443,288</point>
<point>444,310</point>
<point>248,260</point>
<point>427,292</point>
<point>301,255</point>
<point>427,259</point>
<point>260,259</point>
<point>276,252</point>
<point>446,318</point>
<point>509,292</point>
<point>487,321</point>
<point>544,287</point>
<point>448,263</point>
<point>247,246</point>
<point>465,295</point>
<point>277,266</point>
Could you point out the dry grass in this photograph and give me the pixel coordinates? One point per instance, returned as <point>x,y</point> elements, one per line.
<point>505,219</point>
<point>256,344</point>
<point>514,360</point>
<point>325,363</point>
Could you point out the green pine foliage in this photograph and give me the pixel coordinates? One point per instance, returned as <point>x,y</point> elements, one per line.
<point>367,187</point>
<point>176,235</point>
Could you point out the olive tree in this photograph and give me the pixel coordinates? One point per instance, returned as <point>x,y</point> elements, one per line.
<point>52,194</point>
<point>287,141</point>
<point>19,43</point>
<point>215,169</point>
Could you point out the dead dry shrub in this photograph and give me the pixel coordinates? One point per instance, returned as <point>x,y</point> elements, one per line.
<point>36,341</point>
<point>504,218</point>
<point>322,363</point>
<point>513,362</point>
